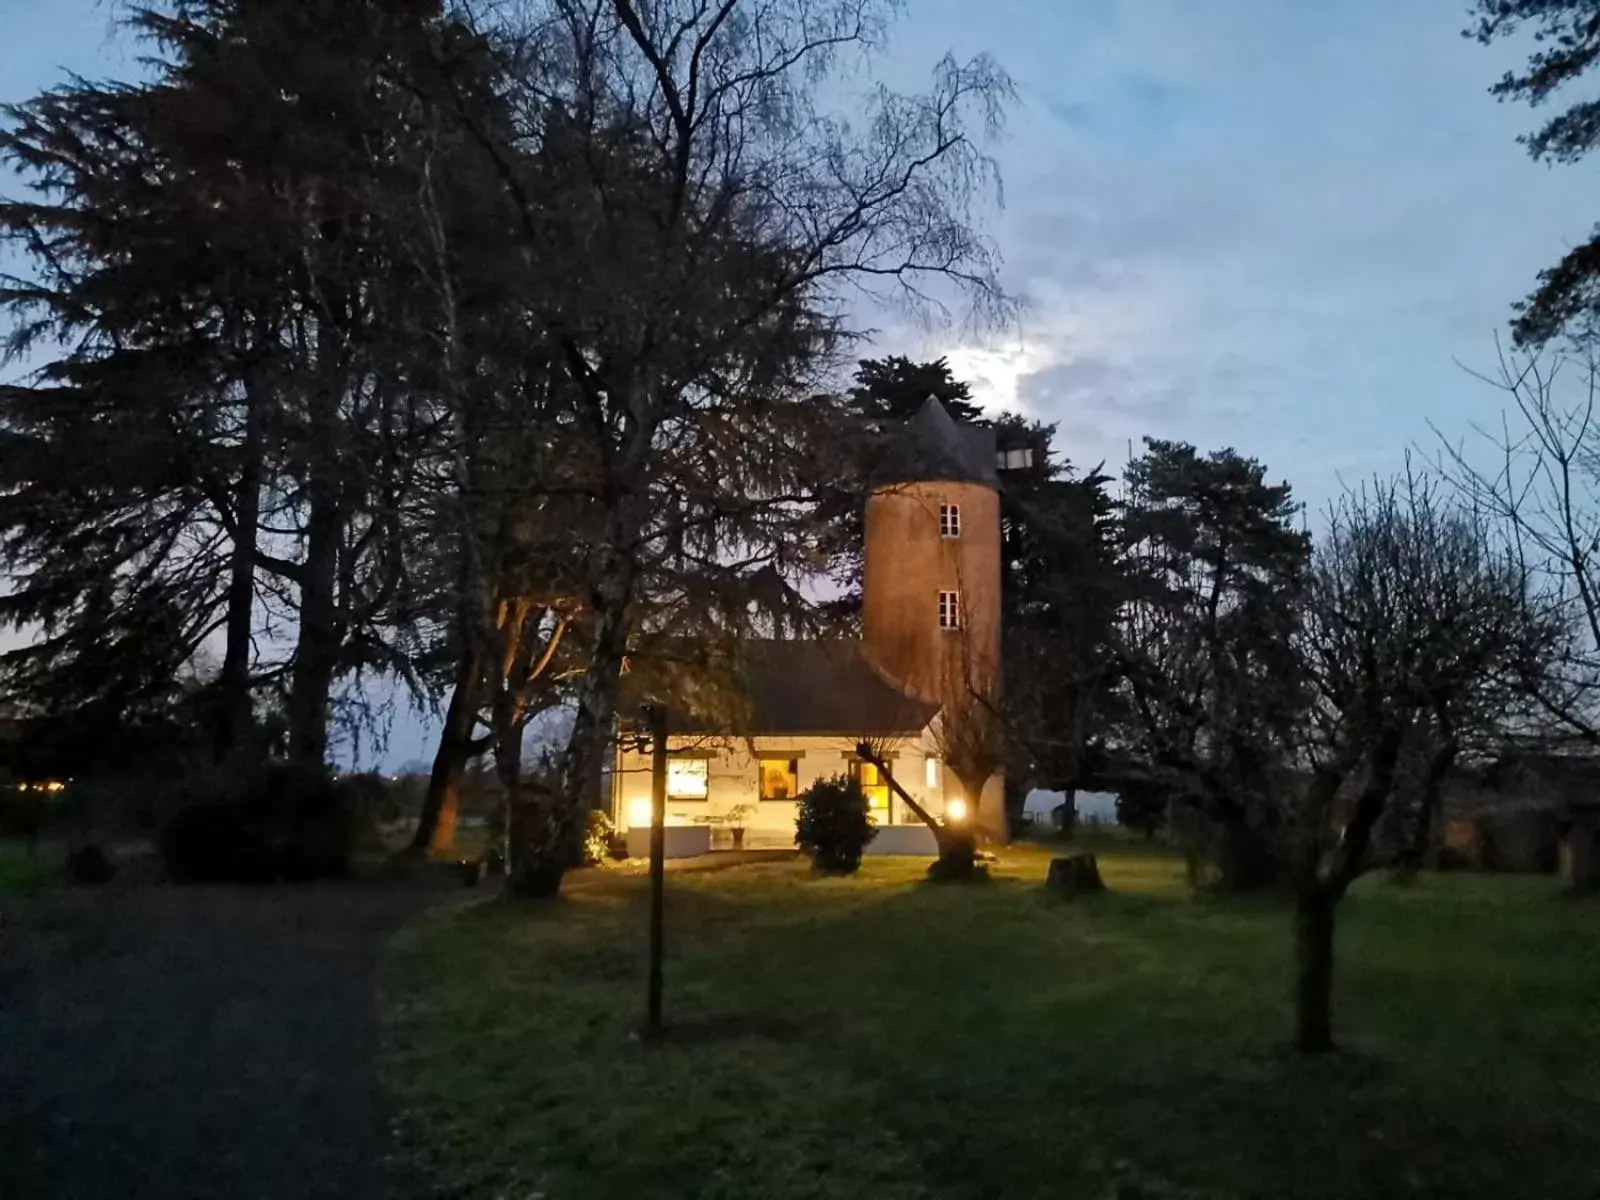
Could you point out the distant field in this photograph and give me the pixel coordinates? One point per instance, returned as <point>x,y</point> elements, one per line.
<point>877,1037</point>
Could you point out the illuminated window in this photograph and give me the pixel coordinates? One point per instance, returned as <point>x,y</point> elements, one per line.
<point>949,610</point>
<point>930,771</point>
<point>950,520</point>
<point>780,778</point>
<point>1015,459</point>
<point>873,788</point>
<point>687,778</point>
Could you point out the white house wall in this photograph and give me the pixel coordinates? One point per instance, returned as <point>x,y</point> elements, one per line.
<point>732,779</point>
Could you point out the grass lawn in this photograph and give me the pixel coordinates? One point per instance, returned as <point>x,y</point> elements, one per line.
<point>21,873</point>
<point>880,1037</point>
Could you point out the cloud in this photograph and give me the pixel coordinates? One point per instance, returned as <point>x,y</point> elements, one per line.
<point>1275,225</point>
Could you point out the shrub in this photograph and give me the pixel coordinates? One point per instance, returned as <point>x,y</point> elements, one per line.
<point>598,837</point>
<point>89,864</point>
<point>219,841</point>
<point>375,804</point>
<point>21,872</point>
<point>23,814</point>
<point>833,825</point>
<point>252,825</point>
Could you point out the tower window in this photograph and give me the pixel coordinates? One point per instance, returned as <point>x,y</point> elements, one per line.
<point>1017,458</point>
<point>949,610</point>
<point>950,520</point>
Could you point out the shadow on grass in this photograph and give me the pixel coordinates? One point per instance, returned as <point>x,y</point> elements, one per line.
<point>726,1027</point>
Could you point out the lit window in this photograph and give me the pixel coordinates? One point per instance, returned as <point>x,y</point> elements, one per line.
<point>1015,459</point>
<point>930,771</point>
<point>949,610</point>
<point>874,788</point>
<point>687,778</point>
<point>780,778</point>
<point>950,520</point>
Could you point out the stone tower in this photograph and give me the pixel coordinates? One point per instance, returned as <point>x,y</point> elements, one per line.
<point>930,618</point>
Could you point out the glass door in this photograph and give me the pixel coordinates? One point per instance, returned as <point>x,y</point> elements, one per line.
<point>875,790</point>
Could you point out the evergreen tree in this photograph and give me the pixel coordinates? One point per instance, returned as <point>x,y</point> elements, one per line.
<point>230,420</point>
<point>1207,664</point>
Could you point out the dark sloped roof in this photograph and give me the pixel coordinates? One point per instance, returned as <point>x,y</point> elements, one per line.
<point>937,446</point>
<point>817,687</point>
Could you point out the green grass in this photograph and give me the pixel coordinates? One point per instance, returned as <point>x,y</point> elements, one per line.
<point>879,1037</point>
<point>21,873</point>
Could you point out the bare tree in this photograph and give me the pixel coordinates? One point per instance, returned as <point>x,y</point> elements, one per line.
<point>694,221</point>
<point>1414,616</point>
<point>1539,476</point>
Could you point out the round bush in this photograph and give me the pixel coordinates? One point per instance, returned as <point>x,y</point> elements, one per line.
<point>90,864</point>
<point>834,825</point>
<point>253,825</point>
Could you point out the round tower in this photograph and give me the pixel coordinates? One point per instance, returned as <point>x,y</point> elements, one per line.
<point>930,617</point>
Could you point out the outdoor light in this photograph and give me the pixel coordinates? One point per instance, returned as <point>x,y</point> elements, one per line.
<point>955,810</point>
<point>639,813</point>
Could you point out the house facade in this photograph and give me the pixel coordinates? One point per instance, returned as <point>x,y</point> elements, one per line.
<point>930,638</point>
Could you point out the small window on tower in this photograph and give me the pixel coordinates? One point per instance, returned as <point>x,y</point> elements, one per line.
<point>949,610</point>
<point>950,520</point>
<point>1017,458</point>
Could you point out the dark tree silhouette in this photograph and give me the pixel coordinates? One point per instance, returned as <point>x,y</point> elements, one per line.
<point>1567,39</point>
<point>1204,641</point>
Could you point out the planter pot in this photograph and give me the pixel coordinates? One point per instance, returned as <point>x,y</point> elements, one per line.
<point>738,839</point>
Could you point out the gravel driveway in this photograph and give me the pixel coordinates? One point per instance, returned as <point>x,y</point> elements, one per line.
<point>196,1042</point>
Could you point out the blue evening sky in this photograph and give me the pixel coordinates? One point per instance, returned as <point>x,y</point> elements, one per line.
<point>1273,224</point>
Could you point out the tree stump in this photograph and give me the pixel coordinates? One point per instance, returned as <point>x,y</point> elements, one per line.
<point>1580,850</point>
<point>1075,875</point>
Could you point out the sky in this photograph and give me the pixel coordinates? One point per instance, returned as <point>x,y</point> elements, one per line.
<point>1278,225</point>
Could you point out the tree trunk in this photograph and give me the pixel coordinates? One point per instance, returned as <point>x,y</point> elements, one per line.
<point>441,807</point>
<point>321,636</point>
<point>1313,958</point>
<point>1244,863</point>
<point>317,648</point>
<point>235,713</point>
<point>522,815</point>
<point>559,846</point>
<point>956,844</point>
<point>1421,840</point>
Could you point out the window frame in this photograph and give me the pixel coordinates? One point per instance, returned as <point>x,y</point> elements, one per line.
<point>950,521</point>
<point>949,610</point>
<point>704,776</point>
<point>857,767</point>
<point>792,763</point>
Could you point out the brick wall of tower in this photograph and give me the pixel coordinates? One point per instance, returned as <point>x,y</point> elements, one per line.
<point>908,563</point>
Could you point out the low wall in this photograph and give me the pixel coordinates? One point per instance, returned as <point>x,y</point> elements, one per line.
<point>903,840</point>
<point>688,841</point>
<point>682,841</point>
<point>1525,840</point>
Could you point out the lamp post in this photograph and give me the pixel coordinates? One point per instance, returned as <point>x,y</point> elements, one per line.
<point>656,716</point>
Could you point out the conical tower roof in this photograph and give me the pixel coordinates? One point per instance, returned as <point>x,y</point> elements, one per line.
<point>938,447</point>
